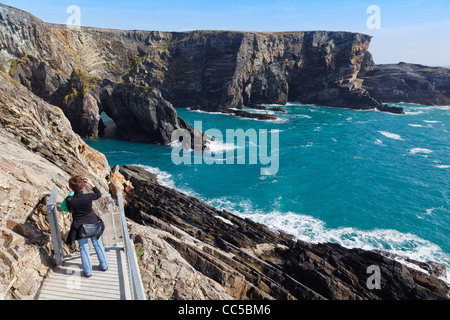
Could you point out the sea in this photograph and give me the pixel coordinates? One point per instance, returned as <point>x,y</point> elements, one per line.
<point>362,179</point>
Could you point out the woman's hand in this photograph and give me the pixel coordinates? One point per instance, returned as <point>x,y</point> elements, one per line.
<point>86,180</point>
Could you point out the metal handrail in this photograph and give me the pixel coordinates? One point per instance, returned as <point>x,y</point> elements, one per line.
<point>136,286</point>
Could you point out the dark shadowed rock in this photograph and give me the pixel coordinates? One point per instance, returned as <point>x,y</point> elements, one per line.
<point>278,109</point>
<point>406,82</point>
<point>251,115</point>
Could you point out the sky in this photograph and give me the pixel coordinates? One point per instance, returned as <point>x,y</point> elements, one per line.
<point>414,31</point>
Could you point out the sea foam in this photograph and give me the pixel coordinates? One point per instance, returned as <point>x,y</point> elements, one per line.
<point>391,135</point>
<point>420,150</point>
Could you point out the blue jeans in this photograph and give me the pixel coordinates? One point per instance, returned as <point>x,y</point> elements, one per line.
<point>85,259</point>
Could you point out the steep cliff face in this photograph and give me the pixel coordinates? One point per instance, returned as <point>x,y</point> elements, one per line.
<point>222,70</point>
<point>407,82</point>
<point>203,69</point>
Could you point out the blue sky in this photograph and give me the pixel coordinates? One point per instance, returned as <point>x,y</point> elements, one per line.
<point>415,31</point>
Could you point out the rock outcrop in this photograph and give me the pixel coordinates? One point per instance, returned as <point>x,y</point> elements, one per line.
<point>249,261</point>
<point>406,82</point>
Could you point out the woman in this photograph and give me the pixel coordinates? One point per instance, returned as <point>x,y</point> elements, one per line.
<point>80,204</point>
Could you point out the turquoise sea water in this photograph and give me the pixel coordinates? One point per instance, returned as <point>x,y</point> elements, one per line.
<point>358,178</point>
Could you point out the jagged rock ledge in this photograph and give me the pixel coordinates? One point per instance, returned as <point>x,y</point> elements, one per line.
<point>245,259</point>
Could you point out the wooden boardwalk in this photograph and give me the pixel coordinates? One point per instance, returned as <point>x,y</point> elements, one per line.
<point>69,283</point>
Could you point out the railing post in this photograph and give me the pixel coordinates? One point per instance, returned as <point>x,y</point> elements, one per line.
<point>52,213</point>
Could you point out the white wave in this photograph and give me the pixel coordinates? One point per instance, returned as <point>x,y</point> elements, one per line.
<point>164,178</point>
<point>443,166</point>
<point>207,112</point>
<point>416,125</point>
<point>176,144</point>
<point>379,142</point>
<point>179,144</point>
<point>217,146</point>
<point>272,105</point>
<point>295,103</point>
<point>313,230</point>
<point>391,135</point>
<point>256,111</point>
<point>430,121</point>
<point>420,150</point>
<point>277,120</point>
<point>413,112</point>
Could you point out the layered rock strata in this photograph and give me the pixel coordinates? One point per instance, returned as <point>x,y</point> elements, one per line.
<point>38,150</point>
<point>409,83</point>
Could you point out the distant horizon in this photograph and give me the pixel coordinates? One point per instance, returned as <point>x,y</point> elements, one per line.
<point>416,32</point>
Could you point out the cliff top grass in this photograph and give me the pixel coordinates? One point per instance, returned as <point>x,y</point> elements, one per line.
<point>16,63</point>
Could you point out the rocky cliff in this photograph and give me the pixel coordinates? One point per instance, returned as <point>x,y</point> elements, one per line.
<point>80,70</point>
<point>190,250</point>
<point>38,150</point>
<point>223,70</point>
<point>405,82</point>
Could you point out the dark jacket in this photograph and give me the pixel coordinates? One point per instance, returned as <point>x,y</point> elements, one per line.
<point>81,207</point>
